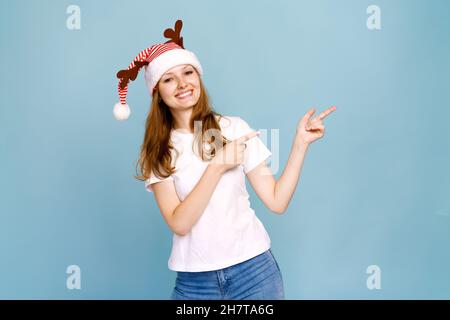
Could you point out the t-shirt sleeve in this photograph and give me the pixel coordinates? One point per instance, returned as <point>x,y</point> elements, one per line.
<point>153,179</point>
<point>256,151</point>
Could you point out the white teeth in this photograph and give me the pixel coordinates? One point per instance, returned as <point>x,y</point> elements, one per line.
<point>184,94</point>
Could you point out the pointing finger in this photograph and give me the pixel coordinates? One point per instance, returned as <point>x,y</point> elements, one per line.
<point>309,114</point>
<point>248,136</point>
<point>325,113</point>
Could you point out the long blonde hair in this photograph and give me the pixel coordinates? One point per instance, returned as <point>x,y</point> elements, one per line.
<point>156,148</point>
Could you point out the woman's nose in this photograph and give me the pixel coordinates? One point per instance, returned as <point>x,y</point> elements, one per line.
<point>182,83</point>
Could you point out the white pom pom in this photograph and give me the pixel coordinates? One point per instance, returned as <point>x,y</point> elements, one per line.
<point>121,111</point>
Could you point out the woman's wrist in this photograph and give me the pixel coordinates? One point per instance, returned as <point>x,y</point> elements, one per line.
<point>300,144</point>
<point>218,168</point>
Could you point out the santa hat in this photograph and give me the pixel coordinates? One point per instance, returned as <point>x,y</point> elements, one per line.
<point>156,60</point>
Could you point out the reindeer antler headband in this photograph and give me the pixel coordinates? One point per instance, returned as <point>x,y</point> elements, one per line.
<point>156,60</point>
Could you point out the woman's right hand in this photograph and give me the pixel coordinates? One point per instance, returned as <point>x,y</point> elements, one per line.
<point>232,154</point>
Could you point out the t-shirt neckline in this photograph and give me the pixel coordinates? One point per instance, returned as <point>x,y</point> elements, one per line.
<point>181,133</point>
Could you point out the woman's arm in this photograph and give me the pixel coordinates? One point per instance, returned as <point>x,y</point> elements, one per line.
<point>180,216</point>
<point>276,195</point>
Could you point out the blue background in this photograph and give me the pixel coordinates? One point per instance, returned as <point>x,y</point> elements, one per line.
<point>373,191</point>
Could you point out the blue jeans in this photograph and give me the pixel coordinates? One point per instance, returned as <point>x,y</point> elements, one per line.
<point>258,278</point>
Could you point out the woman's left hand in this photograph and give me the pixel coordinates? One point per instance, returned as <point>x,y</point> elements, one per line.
<point>309,130</point>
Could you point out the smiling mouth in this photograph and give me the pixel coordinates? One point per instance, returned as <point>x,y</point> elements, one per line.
<point>184,95</point>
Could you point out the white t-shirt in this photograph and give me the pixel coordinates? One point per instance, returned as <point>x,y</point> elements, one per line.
<point>228,232</point>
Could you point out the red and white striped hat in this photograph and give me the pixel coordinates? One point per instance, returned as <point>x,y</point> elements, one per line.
<point>156,59</point>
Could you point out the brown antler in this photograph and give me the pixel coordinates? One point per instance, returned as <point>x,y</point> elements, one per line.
<point>130,74</point>
<point>174,35</point>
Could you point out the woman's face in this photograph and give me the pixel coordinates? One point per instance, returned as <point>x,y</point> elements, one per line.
<point>179,87</point>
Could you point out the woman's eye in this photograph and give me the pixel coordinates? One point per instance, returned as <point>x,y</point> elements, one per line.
<point>187,72</point>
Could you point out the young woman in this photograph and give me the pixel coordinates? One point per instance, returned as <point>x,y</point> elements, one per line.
<point>195,161</point>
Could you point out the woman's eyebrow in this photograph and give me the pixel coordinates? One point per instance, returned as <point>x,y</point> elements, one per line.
<point>183,69</point>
